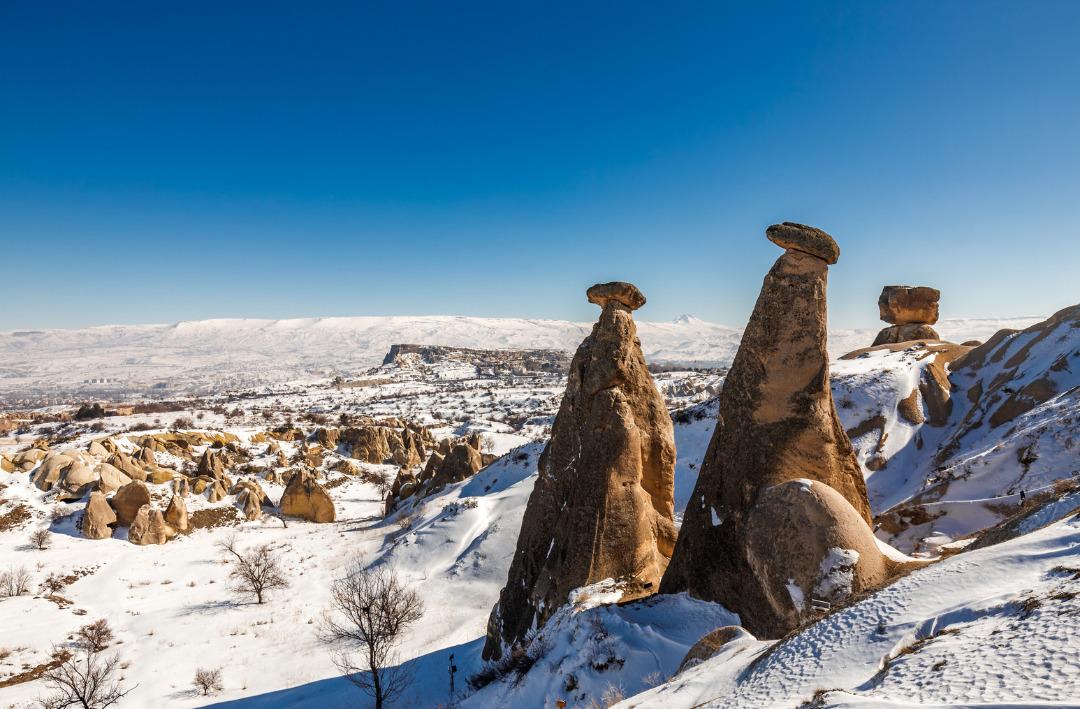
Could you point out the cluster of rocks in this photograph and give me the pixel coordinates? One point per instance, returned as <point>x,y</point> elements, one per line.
<point>603,504</point>
<point>451,461</point>
<point>911,312</point>
<point>384,442</point>
<point>779,523</point>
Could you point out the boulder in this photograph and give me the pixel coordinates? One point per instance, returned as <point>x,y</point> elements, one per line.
<point>76,480</point>
<point>905,305</point>
<point>805,544</point>
<point>127,501</point>
<point>807,239</point>
<point>176,514</point>
<point>216,492</point>
<point>603,503</point>
<point>307,499</point>
<point>210,464</point>
<point>98,517</point>
<point>248,501</point>
<point>327,437</point>
<point>123,462</point>
<point>98,451</point>
<point>27,459</point>
<point>461,463</point>
<point>777,423</point>
<point>181,487</point>
<point>149,527</point>
<point>6,464</point>
<point>160,476</point>
<point>52,467</point>
<point>905,333</point>
<point>145,457</point>
<point>110,479</point>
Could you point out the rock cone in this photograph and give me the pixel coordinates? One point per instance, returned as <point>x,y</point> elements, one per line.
<point>603,503</point>
<point>777,423</point>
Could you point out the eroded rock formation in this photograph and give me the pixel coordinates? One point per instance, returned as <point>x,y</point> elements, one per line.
<point>777,424</point>
<point>910,311</point>
<point>603,503</point>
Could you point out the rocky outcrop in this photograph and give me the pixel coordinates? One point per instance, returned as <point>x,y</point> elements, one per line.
<point>777,424</point>
<point>176,514</point>
<point>211,464</point>
<point>98,517</point>
<point>911,311</point>
<point>304,497</point>
<point>603,502</point>
<point>149,527</point>
<point>127,501</point>
<point>461,463</point>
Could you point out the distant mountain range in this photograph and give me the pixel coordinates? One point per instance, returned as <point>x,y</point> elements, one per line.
<point>209,356</point>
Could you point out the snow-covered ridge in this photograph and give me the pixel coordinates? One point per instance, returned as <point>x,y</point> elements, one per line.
<point>211,355</point>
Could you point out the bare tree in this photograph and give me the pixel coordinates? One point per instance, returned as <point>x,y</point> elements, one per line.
<point>95,636</point>
<point>15,582</point>
<point>372,609</point>
<point>255,571</point>
<point>40,538</point>
<point>208,681</point>
<point>86,679</point>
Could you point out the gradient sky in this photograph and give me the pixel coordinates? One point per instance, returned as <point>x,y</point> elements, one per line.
<point>168,161</point>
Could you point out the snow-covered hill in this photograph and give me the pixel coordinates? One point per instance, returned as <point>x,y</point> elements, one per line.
<point>211,356</point>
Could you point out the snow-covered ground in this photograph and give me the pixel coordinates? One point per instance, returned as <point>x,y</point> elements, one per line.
<point>211,356</point>
<point>991,626</point>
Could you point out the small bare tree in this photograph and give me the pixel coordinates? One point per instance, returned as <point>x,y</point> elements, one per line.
<point>85,679</point>
<point>255,571</point>
<point>95,636</point>
<point>207,681</point>
<point>15,582</point>
<point>372,609</point>
<point>40,538</point>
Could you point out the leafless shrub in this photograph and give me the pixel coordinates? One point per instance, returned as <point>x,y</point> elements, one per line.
<point>182,422</point>
<point>256,571</point>
<point>40,538</point>
<point>95,636</point>
<point>15,582</point>
<point>208,681</point>
<point>371,611</point>
<point>85,679</point>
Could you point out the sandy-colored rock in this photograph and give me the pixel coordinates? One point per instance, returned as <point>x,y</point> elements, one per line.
<point>97,517</point>
<point>27,459</point>
<point>98,451</point>
<point>160,476</point>
<point>248,501</point>
<point>176,514</point>
<point>710,644</point>
<point>210,464</point>
<point>905,333</point>
<point>149,527</point>
<point>110,479</point>
<point>52,467</point>
<point>327,437</point>
<point>6,464</point>
<point>603,503</point>
<point>806,239</point>
<point>307,499</point>
<point>904,305</point>
<point>123,462</point>
<point>461,463</point>
<point>181,487</point>
<point>626,294</point>
<point>145,457</point>
<point>216,492</point>
<point>805,542</point>
<point>76,480</point>
<point>778,423</point>
<point>127,501</point>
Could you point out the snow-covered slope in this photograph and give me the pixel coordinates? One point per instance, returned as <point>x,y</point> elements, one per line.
<point>215,355</point>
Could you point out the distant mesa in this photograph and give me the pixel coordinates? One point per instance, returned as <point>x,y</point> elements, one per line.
<point>491,362</point>
<point>911,311</point>
<point>778,525</point>
<point>603,504</point>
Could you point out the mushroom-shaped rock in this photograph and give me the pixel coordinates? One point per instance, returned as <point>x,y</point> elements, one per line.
<point>806,239</point>
<point>176,514</point>
<point>307,499</point>
<point>778,423</point>
<point>127,501</point>
<point>97,517</point>
<point>620,292</point>
<point>149,527</point>
<point>603,503</point>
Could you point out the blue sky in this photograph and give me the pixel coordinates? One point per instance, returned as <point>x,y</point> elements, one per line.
<point>176,161</point>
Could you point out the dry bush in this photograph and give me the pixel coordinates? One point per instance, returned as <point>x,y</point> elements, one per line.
<point>372,609</point>
<point>15,582</point>
<point>182,422</point>
<point>86,679</point>
<point>95,636</point>
<point>208,681</point>
<point>256,571</point>
<point>40,538</point>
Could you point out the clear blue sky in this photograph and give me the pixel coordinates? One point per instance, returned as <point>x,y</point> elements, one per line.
<point>167,161</point>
